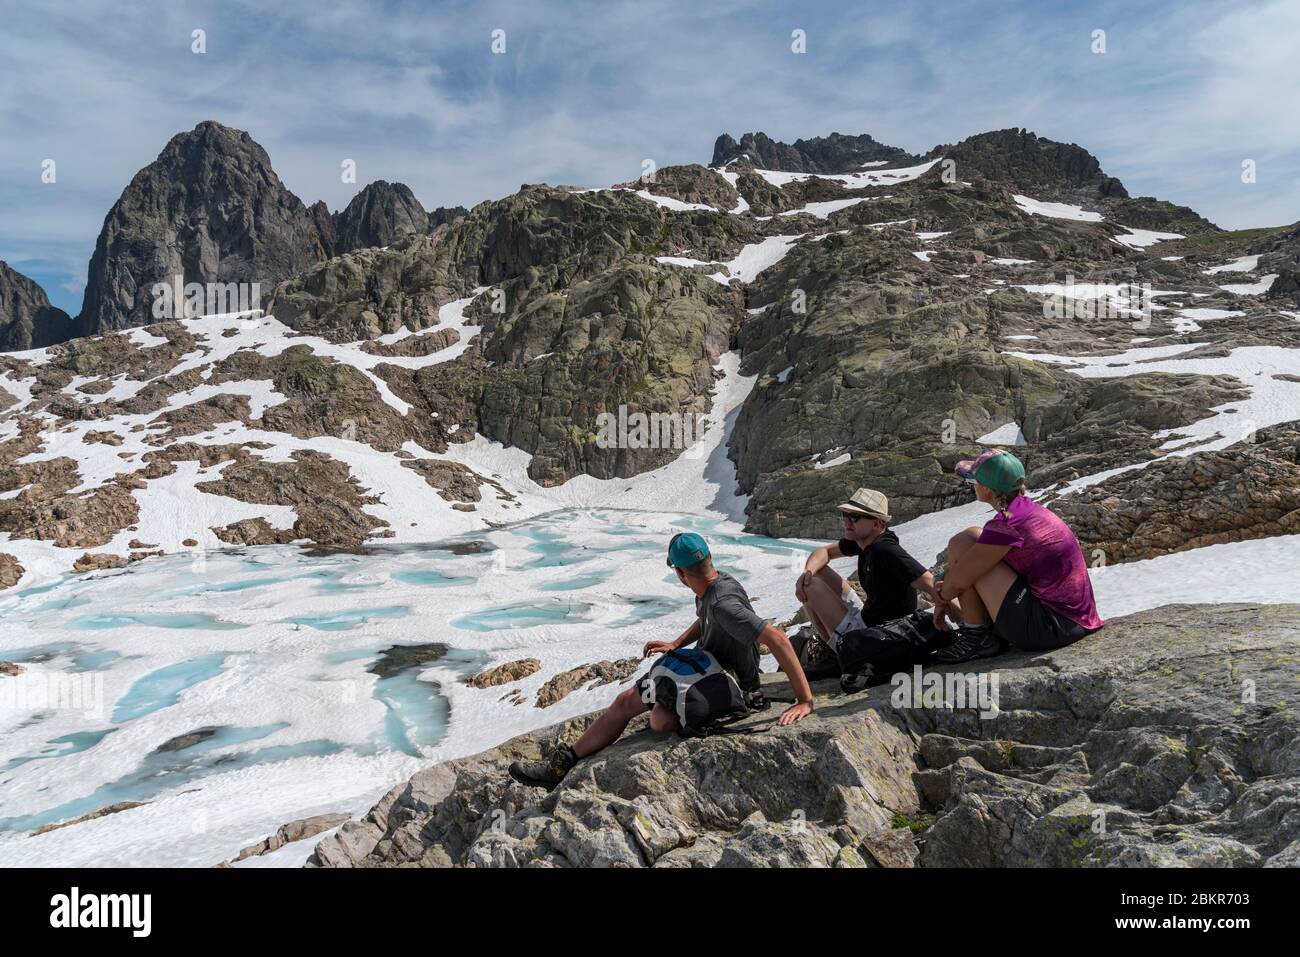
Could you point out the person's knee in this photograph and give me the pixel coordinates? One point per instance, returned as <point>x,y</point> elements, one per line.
<point>963,540</point>
<point>819,587</point>
<point>629,702</point>
<point>662,720</point>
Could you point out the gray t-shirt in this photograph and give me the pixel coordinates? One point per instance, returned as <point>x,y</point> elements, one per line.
<point>729,629</point>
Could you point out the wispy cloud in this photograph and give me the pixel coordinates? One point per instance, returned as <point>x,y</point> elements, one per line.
<point>412,92</point>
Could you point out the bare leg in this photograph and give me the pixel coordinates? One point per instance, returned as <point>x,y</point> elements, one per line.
<point>832,578</point>
<point>605,730</point>
<point>980,604</point>
<point>824,605</point>
<point>663,719</point>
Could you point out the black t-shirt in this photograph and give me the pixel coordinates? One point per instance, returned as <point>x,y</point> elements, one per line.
<point>885,572</point>
<point>729,629</point>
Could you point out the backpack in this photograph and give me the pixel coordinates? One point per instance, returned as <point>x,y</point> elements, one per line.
<point>698,689</point>
<point>891,646</point>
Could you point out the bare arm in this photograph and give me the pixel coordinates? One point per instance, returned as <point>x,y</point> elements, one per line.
<point>925,585</point>
<point>783,652</point>
<point>691,634</point>
<point>819,558</point>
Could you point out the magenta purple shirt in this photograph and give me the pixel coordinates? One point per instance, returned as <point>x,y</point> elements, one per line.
<point>1045,553</point>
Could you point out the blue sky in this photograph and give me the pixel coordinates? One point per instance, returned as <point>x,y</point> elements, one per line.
<point>1183,94</point>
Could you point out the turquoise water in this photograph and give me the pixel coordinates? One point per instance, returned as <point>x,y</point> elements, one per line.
<point>523,615</point>
<point>647,609</point>
<point>61,747</point>
<point>93,622</point>
<point>577,582</point>
<point>346,619</point>
<point>80,658</point>
<point>431,578</point>
<point>162,688</point>
<point>179,620</point>
<point>417,713</point>
<point>165,770</point>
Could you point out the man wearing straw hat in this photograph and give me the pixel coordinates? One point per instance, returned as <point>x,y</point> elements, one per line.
<point>890,576</point>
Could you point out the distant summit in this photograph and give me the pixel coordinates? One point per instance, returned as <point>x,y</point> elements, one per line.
<point>378,215</point>
<point>835,153</point>
<point>211,209</point>
<point>27,320</point>
<point>1027,161</point>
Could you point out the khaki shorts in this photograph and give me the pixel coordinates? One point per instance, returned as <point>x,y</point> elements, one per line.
<point>851,621</point>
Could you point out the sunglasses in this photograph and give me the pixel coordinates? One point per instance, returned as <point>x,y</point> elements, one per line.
<point>852,517</point>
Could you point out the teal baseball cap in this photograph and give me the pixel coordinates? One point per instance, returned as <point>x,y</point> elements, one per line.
<point>687,549</point>
<point>993,468</point>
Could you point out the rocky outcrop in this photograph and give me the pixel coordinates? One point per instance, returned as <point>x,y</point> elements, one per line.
<point>93,562</point>
<point>445,214</point>
<point>253,531</point>
<point>691,184</point>
<point>506,673</point>
<point>1030,163</point>
<point>11,572</point>
<point>211,210</point>
<point>1246,491</point>
<point>82,520</point>
<point>1169,738</point>
<point>27,320</point>
<point>11,670</point>
<point>289,834</point>
<point>327,397</point>
<point>380,214</point>
<point>117,808</point>
<point>835,153</point>
<point>455,482</point>
<point>591,676</point>
<point>373,292</point>
<point>327,499</point>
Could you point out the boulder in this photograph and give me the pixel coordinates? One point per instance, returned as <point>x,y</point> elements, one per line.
<point>505,673</point>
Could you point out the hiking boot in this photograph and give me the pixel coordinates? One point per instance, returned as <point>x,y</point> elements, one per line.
<point>546,772</point>
<point>854,681</point>
<point>969,643</point>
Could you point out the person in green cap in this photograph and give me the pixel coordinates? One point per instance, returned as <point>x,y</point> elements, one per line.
<point>726,628</point>
<point>1021,578</point>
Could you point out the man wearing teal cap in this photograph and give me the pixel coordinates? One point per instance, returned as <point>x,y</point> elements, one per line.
<point>1020,579</point>
<point>726,627</point>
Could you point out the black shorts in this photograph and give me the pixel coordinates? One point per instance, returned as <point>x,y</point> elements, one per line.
<point>1029,625</point>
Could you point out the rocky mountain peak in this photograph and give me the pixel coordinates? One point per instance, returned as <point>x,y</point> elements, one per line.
<point>211,209</point>
<point>27,320</point>
<point>836,153</point>
<point>1028,161</point>
<point>378,215</point>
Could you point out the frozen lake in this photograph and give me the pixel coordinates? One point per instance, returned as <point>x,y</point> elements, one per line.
<point>234,691</point>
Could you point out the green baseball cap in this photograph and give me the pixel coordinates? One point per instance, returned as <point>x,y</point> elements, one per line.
<point>993,468</point>
<point>687,549</point>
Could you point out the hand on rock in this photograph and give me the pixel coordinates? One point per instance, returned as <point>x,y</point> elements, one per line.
<point>794,713</point>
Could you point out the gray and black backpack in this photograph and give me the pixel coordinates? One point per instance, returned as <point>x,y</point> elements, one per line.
<point>698,689</point>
